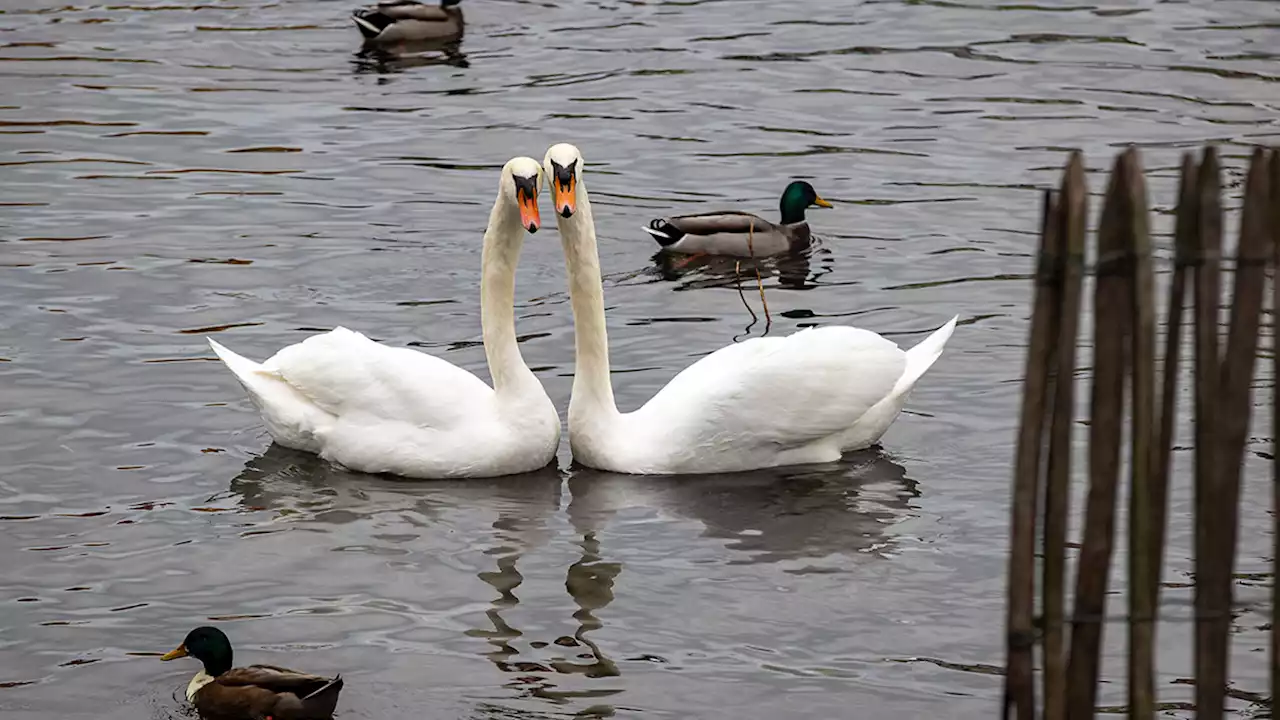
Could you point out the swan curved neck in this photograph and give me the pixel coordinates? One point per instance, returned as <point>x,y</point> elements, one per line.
<point>592,388</point>
<point>499,257</point>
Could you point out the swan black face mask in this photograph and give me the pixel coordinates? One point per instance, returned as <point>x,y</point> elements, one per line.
<point>527,199</point>
<point>564,188</point>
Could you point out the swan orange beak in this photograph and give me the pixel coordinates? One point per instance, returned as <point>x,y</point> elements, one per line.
<point>529,216</point>
<point>174,654</point>
<point>565,194</point>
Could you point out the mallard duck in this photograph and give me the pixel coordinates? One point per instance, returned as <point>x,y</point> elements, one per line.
<point>398,21</point>
<point>257,692</point>
<point>804,398</point>
<point>738,233</point>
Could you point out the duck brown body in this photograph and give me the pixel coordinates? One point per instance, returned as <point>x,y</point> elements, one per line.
<point>256,692</point>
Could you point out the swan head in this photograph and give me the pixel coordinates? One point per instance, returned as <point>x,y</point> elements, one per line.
<point>563,166</point>
<point>521,180</point>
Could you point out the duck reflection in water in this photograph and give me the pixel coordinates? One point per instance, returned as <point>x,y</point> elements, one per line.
<point>794,272</point>
<point>389,59</point>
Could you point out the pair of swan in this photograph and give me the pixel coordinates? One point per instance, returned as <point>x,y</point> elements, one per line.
<point>765,402</point>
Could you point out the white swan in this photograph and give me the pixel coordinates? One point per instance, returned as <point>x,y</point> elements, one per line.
<point>804,398</point>
<point>376,408</point>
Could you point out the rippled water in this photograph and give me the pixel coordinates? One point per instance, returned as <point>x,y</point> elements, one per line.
<point>175,170</point>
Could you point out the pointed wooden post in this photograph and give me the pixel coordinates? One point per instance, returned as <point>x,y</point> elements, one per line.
<point>1112,296</point>
<point>1019,694</point>
<point>1275,424</point>
<point>1185,241</point>
<point>1235,403</point>
<point>1073,202</point>
<point>1142,436</point>
<point>1207,302</point>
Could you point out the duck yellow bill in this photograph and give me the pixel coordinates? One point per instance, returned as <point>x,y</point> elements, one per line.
<point>529,216</point>
<point>821,203</point>
<point>565,197</point>
<point>174,654</point>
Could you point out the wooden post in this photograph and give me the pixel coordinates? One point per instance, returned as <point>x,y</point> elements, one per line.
<point>1235,391</point>
<point>1185,242</point>
<point>1207,301</point>
<point>1142,436</point>
<point>1073,202</point>
<point>1019,694</point>
<point>1112,295</point>
<point>1275,426</point>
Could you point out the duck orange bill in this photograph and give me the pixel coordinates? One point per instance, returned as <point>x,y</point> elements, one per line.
<point>565,197</point>
<point>174,654</point>
<point>529,216</point>
<point>821,203</point>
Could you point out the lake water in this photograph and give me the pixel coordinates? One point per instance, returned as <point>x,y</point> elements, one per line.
<point>231,168</point>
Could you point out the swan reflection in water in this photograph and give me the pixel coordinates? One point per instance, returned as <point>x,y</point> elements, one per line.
<point>770,515</point>
<point>846,509</point>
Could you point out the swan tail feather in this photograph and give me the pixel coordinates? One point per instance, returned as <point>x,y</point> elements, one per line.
<point>922,357</point>
<point>291,418</point>
<point>242,367</point>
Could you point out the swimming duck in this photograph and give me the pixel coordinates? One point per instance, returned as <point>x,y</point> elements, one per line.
<point>398,21</point>
<point>256,692</point>
<point>741,234</point>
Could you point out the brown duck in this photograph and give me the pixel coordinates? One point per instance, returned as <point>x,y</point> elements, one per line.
<point>256,692</point>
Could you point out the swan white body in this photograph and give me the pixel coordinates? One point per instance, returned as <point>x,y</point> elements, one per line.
<point>381,409</point>
<point>805,398</point>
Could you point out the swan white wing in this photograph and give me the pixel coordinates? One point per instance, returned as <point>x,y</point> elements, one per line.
<point>345,373</point>
<point>782,391</point>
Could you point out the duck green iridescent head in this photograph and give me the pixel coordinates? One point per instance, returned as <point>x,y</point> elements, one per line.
<point>798,197</point>
<point>207,644</point>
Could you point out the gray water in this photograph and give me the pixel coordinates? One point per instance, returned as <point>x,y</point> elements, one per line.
<point>233,169</point>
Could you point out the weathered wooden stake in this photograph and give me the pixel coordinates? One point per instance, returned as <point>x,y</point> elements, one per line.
<point>1142,436</point>
<point>1071,220</point>
<point>1020,639</point>
<point>1235,405</point>
<point>1275,426</point>
<point>1207,300</point>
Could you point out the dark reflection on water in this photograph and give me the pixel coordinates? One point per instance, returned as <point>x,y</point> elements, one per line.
<point>384,59</point>
<point>249,171</point>
<point>800,271</point>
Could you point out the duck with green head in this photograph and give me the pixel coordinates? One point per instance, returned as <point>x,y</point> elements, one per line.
<point>741,234</point>
<point>257,692</point>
